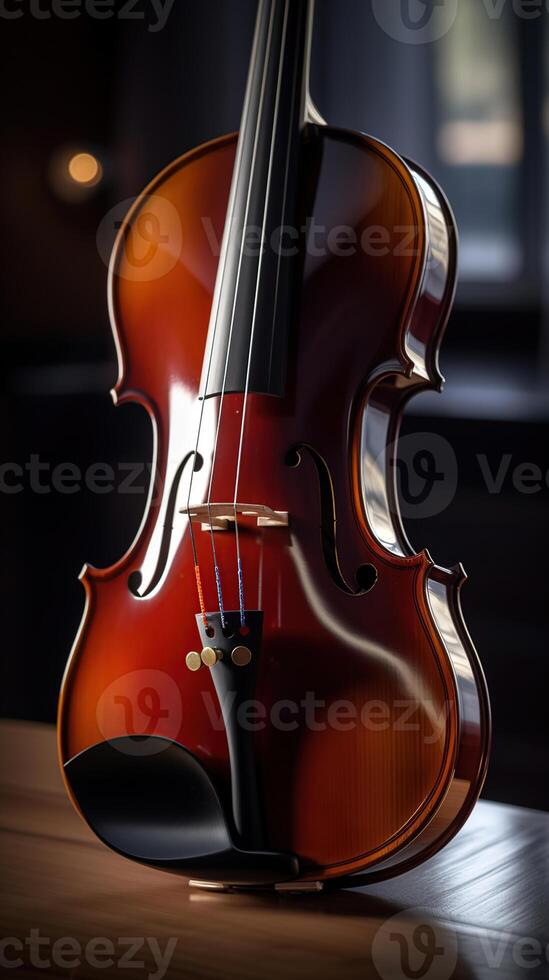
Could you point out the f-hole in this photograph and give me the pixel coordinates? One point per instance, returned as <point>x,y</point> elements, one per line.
<point>135,578</point>
<point>365,575</point>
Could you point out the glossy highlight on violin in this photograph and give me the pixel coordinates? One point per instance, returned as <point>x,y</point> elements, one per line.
<point>271,687</point>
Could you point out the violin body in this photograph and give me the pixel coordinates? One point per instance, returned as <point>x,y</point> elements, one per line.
<point>366,717</point>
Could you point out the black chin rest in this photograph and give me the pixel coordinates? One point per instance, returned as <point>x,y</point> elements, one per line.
<point>151,800</point>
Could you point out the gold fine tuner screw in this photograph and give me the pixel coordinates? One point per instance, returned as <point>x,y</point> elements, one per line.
<point>241,656</point>
<point>210,655</point>
<point>193,660</point>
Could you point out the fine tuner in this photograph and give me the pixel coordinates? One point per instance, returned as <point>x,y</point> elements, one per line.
<point>209,656</point>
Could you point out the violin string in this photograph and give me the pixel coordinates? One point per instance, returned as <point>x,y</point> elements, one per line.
<point>254,317</point>
<point>215,319</point>
<point>233,312</point>
<point>283,209</point>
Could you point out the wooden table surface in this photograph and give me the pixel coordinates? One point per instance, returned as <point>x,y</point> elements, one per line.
<point>71,908</point>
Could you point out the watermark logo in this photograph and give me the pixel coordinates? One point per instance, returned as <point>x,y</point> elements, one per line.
<point>410,946</point>
<point>413,945</point>
<point>426,473</point>
<point>153,238</point>
<point>141,702</point>
<point>415,21</point>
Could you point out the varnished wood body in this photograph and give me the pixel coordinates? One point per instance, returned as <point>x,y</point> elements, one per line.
<point>390,762</point>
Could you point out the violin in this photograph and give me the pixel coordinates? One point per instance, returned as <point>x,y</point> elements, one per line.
<point>271,688</point>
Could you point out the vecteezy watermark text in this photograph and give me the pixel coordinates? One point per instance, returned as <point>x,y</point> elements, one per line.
<point>148,702</point>
<point>41,477</point>
<point>99,953</point>
<point>321,240</point>
<point>154,13</point>
<point>342,715</point>
<point>155,241</point>
<point>427,475</point>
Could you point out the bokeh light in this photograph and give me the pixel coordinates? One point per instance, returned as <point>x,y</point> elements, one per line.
<point>75,173</point>
<point>84,168</point>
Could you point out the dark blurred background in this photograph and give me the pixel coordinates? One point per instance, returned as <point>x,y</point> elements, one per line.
<point>473,108</point>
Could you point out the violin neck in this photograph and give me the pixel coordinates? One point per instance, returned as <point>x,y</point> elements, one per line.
<point>279,68</point>
<point>251,317</point>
